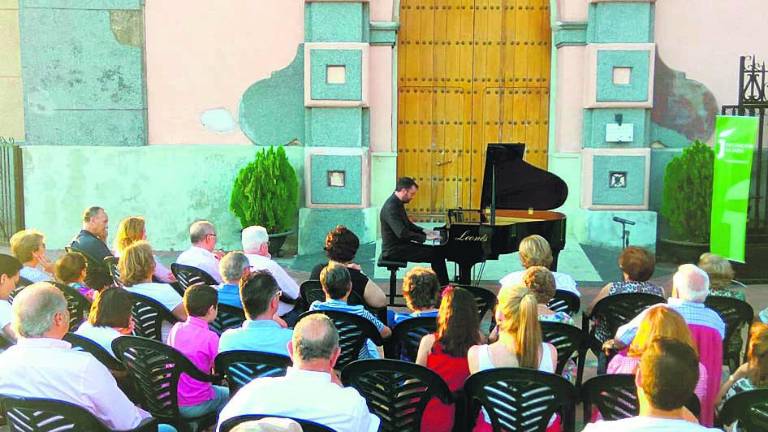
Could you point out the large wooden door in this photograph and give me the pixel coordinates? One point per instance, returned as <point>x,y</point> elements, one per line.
<point>470,72</point>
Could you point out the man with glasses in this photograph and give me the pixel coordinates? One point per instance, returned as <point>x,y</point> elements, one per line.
<point>202,253</point>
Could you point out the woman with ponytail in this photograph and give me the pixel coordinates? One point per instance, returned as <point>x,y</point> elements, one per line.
<point>519,344</point>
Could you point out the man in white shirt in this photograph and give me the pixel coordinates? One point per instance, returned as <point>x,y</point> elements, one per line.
<point>9,276</point>
<point>665,380</point>
<point>256,247</point>
<point>310,390</point>
<point>201,254</point>
<point>44,366</point>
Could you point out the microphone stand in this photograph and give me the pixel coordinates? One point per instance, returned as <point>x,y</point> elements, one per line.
<point>624,234</point>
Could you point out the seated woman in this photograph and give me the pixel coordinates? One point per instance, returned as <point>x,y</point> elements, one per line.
<point>519,343</point>
<point>131,230</point>
<point>720,275</point>
<point>535,251</point>
<point>110,317</point>
<point>754,373</point>
<point>637,266</point>
<point>542,282</point>
<point>28,246</point>
<point>420,290</point>
<point>70,270</point>
<point>341,245</point>
<point>445,352</point>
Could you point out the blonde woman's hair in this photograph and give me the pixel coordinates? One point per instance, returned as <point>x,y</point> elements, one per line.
<point>130,230</point>
<point>719,270</point>
<point>758,355</point>
<point>137,263</point>
<point>535,251</point>
<point>518,306</point>
<point>25,243</point>
<point>660,322</point>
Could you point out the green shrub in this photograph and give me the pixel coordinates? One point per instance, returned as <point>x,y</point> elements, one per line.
<point>687,200</point>
<point>266,192</point>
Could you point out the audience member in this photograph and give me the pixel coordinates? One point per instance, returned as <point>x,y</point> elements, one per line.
<point>133,229</point>
<point>445,352</point>
<point>234,267</point>
<point>754,373</point>
<point>337,286</point>
<point>341,245</point>
<point>420,291</point>
<point>263,330</point>
<point>9,276</point>
<point>42,365</point>
<point>519,345</point>
<point>665,381</point>
<point>256,247</point>
<point>200,345</point>
<point>542,283</point>
<point>70,269</point>
<point>110,317</point>
<point>535,251</point>
<point>310,390</point>
<point>91,240</point>
<point>202,254</point>
<point>720,275</point>
<point>29,247</point>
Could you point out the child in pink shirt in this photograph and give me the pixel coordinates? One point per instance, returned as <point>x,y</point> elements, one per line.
<point>193,339</point>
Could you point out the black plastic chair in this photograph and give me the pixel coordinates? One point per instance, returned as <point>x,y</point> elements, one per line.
<point>396,391</point>
<point>114,271</point>
<point>241,367</point>
<point>77,304</point>
<point>306,425</point>
<point>406,337</point>
<point>353,333</point>
<point>736,314</point>
<point>566,338</point>
<point>519,399</point>
<point>749,408</point>
<point>81,343</point>
<point>155,369</point>
<point>486,301</point>
<point>311,291</point>
<point>565,301</point>
<point>227,318</point>
<point>148,317</point>
<point>188,275</point>
<point>49,415</point>
<point>23,282</point>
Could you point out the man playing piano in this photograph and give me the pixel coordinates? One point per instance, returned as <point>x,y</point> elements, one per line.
<point>402,239</point>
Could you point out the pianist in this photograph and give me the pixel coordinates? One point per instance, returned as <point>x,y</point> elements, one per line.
<point>402,239</point>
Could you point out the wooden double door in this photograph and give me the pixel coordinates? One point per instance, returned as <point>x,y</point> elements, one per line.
<point>470,72</point>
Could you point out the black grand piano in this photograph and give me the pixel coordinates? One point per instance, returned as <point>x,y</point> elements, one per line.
<point>515,203</point>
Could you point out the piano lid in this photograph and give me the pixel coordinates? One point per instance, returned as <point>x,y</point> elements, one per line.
<point>519,185</point>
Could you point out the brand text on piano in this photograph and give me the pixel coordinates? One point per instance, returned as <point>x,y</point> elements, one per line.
<point>465,236</point>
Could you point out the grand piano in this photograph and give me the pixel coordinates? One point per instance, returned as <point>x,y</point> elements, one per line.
<point>515,203</point>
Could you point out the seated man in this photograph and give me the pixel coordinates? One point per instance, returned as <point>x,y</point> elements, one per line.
<point>310,390</point>
<point>263,330</point>
<point>42,365</point>
<point>9,276</point>
<point>234,267</point>
<point>665,381</point>
<point>91,240</point>
<point>256,247</point>
<point>202,253</point>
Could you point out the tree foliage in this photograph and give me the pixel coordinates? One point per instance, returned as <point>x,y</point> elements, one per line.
<point>687,200</point>
<point>266,192</point>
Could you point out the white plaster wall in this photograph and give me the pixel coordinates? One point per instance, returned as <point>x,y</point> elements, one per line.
<point>569,112</point>
<point>380,93</point>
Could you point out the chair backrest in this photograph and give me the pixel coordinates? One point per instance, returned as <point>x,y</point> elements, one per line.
<point>619,309</point>
<point>406,337</point>
<point>47,415</point>
<point>306,425</point>
<point>566,338</point>
<point>227,318</point>
<point>750,408</point>
<point>565,301</point>
<point>155,369</point>
<point>353,333</point>
<point>396,391</point>
<point>148,317</point>
<point>735,314</point>
<point>519,399</point>
<point>23,282</point>
<point>311,290</point>
<point>188,275</point>
<point>81,343</point>
<point>241,367</point>
<point>614,395</point>
<point>114,271</point>
<point>77,304</point>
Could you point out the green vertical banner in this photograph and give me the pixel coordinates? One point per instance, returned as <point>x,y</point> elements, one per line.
<point>735,139</point>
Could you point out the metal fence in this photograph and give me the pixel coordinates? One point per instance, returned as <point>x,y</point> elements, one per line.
<point>11,189</point>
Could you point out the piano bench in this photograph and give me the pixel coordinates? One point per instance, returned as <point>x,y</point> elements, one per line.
<point>393,267</point>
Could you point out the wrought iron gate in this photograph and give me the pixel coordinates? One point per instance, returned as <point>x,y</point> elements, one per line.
<point>11,189</point>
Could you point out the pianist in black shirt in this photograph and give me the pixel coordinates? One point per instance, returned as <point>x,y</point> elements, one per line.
<point>402,240</point>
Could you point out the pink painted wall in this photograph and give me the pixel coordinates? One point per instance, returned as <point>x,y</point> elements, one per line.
<point>380,93</point>
<point>201,57</point>
<point>381,10</point>
<point>706,41</point>
<point>572,10</point>
<point>569,108</point>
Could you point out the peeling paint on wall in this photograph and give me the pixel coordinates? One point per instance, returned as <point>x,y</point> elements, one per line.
<point>218,120</point>
<point>128,27</point>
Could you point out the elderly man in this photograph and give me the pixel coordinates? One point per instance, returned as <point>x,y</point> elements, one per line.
<point>91,241</point>
<point>9,276</point>
<point>42,365</point>
<point>202,253</point>
<point>256,247</point>
<point>665,381</point>
<point>310,389</point>
<point>263,330</point>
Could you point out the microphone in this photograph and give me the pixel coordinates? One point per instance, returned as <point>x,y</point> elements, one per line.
<point>622,220</point>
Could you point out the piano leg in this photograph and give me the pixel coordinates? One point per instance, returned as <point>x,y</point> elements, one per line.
<point>465,274</point>
<point>555,254</point>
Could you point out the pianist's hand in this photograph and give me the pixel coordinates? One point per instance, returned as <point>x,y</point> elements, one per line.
<point>432,234</point>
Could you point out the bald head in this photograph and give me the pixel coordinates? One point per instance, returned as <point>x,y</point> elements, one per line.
<point>314,338</point>
<point>691,283</point>
<point>40,310</point>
